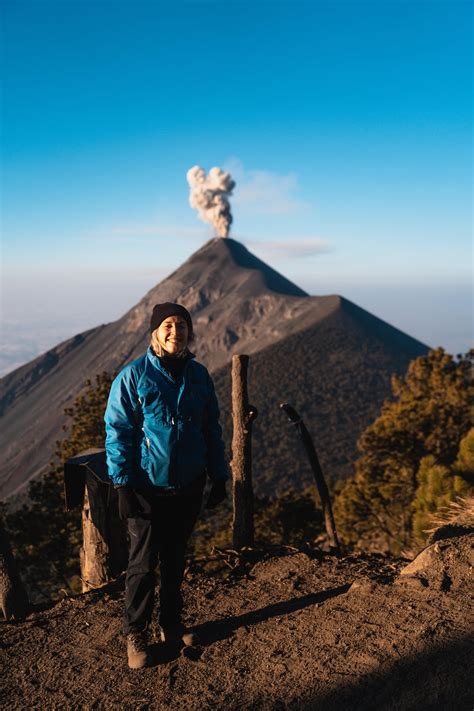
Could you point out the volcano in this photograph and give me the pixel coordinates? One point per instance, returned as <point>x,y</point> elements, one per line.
<point>323,354</point>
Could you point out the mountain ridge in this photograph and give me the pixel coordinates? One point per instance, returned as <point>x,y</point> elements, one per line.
<point>238,304</point>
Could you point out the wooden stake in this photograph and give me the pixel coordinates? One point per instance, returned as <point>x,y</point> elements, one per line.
<point>104,553</point>
<point>318,475</point>
<point>243,415</point>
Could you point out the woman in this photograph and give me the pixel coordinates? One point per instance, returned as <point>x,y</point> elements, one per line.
<point>162,436</point>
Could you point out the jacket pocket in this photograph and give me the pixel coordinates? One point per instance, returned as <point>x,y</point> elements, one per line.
<point>197,406</point>
<point>156,450</point>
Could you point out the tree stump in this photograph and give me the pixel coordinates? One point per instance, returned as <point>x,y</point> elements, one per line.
<point>13,598</point>
<point>243,415</point>
<point>104,551</point>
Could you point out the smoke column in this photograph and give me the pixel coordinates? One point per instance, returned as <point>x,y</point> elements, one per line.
<point>209,195</point>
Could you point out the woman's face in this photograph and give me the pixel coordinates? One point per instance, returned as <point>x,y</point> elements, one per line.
<point>172,334</point>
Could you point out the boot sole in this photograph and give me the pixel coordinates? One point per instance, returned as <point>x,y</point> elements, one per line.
<point>188,639</point>
<point>137,663</point>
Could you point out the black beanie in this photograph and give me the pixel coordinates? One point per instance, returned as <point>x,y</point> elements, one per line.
<point>162,311</point>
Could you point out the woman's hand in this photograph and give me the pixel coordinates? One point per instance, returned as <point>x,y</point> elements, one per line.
<point>216,495</point>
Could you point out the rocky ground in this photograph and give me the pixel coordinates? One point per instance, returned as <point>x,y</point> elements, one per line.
<point>290,630</point>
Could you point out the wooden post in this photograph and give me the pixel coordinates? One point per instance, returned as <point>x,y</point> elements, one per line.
<point>13,598</point>
<point>318,475</point>
<point>243,415</point>
<point>104,551</point>
<point>94,552</point>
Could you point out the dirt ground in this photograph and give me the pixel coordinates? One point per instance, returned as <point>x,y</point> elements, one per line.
<point>292,630</point>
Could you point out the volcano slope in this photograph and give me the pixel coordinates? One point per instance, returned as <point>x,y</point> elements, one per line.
<point>239,305</point>
<point>337,374</point>
<point>291,630</point>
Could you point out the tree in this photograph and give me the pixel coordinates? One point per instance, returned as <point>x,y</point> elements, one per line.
<point>440,484</point>
<point>45,537</point>
<point>428,415</point>
<point>292,519</point>
<point>87,417</point>
<point>13,598</point>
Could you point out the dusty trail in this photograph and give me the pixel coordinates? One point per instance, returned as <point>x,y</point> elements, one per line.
<point>297,631</point>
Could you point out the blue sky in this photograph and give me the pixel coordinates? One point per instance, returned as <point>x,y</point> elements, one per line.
<point>346,125</point>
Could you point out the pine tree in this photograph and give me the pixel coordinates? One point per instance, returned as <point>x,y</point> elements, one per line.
<point>439,485</point>
<point>46,539</point>
<point>429,414</point>
<point>87,418</point>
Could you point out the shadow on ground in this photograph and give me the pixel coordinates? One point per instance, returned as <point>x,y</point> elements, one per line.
<point>210,632</point>
<point>439,680</point>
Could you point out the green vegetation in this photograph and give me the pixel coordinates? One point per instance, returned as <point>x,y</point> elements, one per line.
<point>45,538</point>
<point>439,485</point>
<point>292,519</point>
<point>416,456</point>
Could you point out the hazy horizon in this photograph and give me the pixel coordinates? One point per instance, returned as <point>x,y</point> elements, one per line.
<point>346,127</point>
<point>96,301</point>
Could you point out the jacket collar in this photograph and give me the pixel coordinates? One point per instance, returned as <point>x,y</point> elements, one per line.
<point>155,361</point>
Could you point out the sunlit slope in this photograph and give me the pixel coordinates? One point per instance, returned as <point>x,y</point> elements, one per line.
<point>239,305</point>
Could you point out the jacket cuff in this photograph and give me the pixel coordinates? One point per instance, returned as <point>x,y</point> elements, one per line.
<point>120,481</point>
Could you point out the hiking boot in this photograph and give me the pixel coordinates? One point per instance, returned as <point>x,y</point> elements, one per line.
<point>177,635</point>
<point>137,649</point>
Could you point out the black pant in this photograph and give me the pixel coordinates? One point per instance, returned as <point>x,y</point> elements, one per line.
<point>162,532</point>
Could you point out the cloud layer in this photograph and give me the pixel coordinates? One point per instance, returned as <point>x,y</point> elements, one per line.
<point>306,247</point>
<point>264,192</point>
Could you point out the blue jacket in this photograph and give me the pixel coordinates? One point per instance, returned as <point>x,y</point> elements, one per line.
<point>159,433</point>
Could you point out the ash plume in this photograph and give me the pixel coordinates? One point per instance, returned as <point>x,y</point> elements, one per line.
<point>209,195</point>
